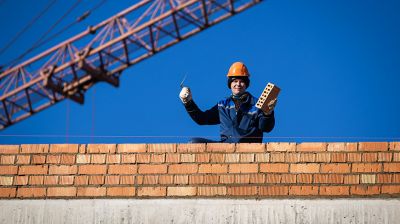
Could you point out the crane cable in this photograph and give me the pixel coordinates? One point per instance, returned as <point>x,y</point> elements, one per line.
<point>29,25</point>
<point>43,41</point>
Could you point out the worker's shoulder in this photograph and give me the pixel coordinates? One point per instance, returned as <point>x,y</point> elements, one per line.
<point>225,102</point>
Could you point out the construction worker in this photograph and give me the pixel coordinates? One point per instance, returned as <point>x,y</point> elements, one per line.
<point>239,119</point>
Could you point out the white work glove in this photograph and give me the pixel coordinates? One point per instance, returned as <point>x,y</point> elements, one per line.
<point>185,95</point>
<point>271,106</point>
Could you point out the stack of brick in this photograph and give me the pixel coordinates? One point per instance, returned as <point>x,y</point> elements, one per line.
<point>282,170</point>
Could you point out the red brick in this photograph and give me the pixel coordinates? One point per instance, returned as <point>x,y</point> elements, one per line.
<point>227,179</point>
<point>182,168</point>
<point>366,167</point>
<point>202,158</point>
<point>112,159</point>
<point>98,158</point>
<point>396,157</point>
<point>277,157</point>
<point>385,157</point>
<point>161,148</point>
<point>23,159</point>
<point>82,158</point>
<point>8,170</point>
<point>61,191</point>
<point>127,180</point>
<point>250,147</point>
<point>274,168</point>
<point>101,148</point>
<point>305,178</point>
<point>311,147</point>
<point>38,159</point>
<point>130,158</point>
<point>182,191</point>
<point>217,158</point>
<point>384,178</point>
<point>232,158</point>
<point>66,180</point>
<point>335,168</point>
<point>152,191</point>
<point>120,191</point>
<point>96,180</point>
<point>36,180</point>
<point>396,178</point>
<point>166,179</point>
<point>31,192</point>
<point>213,168</point>
<point>292,157</point>
<point>81,180</point>
<point>242,191</point>
<point>188,158</point>
<point>240,179</point>
<point>365,190</point>
<point>8,192</point>
<point>211,191</point>
<point>6,181</point>
<point>369,157</point>
<point>92,169</point>
<point>20,180</point>
<point>181,179</point>
<point>198,179</point>
<point>342,147</point>
<point>9,149</point>
<point>50,180</point>
<point>38,148</point>
<point>68,159</point>
<point>390,189</point>
<point>391,167</point>
<point>273,190</point>
<point>303,190</point>
<point>172,158</point>
<point>91,191</point>
<point>281,147</point>
<point>82,148</point>
<point>112,180</point>
<point>257,178</point>
<point>354,157</point>
<point>394,146</point>
<point>122,169</point>
<point>220,147</point>
<point>273,178</point>
<point>328,178</point>
<point>34,169</point>
<point>63,169</point>
<point>333,190</point>
<point>338,157</point>
<point>143,158</point>
<point>373,146</point>
<point>243,168</point>
<point>288,178</point>
<point>304,168</point>
<point>184,148</point>
<point>132,148</point>
<point>260,157</point>
<point>351,179</point>
<point>7,159</point>
<point>307,157</point>
<point>323,157</point>
<point>149,179</point>
<point>158,158</point>
<point>151,169</point>
<point>64,148</point>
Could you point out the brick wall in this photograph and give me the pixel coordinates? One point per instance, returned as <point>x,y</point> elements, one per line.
<point>283,170</point>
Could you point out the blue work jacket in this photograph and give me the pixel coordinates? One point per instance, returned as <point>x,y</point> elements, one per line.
<point>246,124</point>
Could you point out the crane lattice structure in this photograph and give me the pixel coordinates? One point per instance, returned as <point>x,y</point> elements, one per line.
<point>103,51</point>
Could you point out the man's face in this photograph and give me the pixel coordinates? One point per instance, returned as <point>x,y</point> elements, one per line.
<point>238,87</point>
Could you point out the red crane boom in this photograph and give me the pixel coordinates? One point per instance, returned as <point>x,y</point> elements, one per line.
<point>103,51</point>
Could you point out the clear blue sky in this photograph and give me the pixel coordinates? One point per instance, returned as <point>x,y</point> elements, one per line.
<point>337,63</point>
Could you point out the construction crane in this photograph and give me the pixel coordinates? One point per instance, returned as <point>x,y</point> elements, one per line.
<point>102,52</point>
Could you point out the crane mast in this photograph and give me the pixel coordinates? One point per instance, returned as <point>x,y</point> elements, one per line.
<point>102,52</point>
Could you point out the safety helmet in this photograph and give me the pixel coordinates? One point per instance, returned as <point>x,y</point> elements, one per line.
<point>238,71</point>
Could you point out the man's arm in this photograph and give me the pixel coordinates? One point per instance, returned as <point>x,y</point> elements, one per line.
<point>266,122</point>
<point>208,117</point>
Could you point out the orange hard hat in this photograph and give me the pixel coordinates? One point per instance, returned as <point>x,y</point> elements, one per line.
<point>238,69</point>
